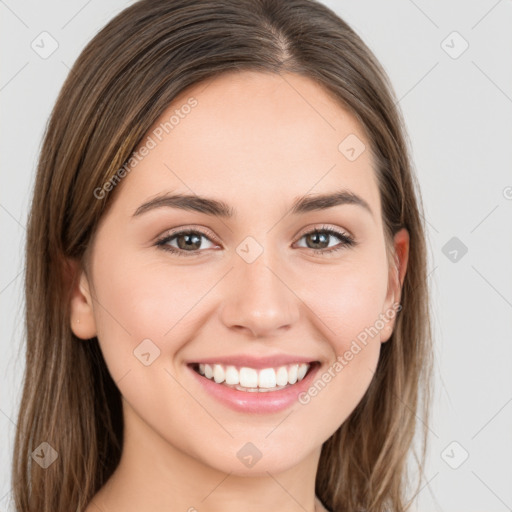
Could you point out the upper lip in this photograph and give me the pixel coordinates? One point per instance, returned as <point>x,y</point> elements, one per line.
<point>255,362</point>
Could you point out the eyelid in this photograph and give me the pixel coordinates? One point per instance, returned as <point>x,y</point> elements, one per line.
<point>192,227</point>
<point>323,227</point>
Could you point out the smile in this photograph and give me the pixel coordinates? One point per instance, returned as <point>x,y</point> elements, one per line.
<point>254,380</point>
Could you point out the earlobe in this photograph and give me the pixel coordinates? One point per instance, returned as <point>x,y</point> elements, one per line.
<point>386,332</point>
<point>396,279</point>
<point>82,319</point>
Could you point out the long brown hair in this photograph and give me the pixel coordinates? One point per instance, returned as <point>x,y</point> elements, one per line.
<point>121,83</point>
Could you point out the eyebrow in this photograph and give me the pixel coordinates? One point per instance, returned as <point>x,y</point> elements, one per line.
<point>214,207</point>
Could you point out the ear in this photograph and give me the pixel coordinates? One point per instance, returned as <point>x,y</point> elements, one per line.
<point>82,319</point>
<point>396,278</point>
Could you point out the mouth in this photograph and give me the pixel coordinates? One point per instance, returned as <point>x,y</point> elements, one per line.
<point>255,380</point>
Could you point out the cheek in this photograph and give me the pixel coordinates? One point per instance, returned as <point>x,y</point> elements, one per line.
<point>348,297</point>
<point>347,301</point>
<point>140,300</point>
<point>341,384</point>
<point>146,314</point>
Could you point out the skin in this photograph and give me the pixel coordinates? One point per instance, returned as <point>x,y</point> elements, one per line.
<point>257,142</point>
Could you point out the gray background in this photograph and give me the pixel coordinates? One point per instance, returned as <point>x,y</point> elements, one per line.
<point>458,111</point>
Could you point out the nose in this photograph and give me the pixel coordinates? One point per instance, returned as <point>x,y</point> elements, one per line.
<point>258,299</point>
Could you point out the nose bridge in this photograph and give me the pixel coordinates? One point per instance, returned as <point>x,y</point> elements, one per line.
<point>258,298</point>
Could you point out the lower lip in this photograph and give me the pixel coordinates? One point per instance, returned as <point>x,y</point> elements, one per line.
<point>257,402</point>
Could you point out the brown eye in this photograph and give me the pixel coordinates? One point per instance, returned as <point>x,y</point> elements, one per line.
<point>186,242</point>
<point>319,239</point>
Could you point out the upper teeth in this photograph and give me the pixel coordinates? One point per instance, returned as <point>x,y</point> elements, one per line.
<point>252,378</point>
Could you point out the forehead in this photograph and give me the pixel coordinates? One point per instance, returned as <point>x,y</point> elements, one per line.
<point>250,136</point>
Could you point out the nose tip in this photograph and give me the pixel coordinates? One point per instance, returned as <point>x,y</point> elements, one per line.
<point>259,301</point>
<point>262,325</point>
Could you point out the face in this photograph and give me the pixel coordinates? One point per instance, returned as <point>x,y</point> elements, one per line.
<point>173,282</point>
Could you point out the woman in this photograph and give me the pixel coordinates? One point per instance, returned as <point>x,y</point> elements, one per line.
<point>226,286</point>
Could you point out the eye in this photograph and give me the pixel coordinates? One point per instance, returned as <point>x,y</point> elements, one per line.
<point>188,241</point>
<point>319,237</point>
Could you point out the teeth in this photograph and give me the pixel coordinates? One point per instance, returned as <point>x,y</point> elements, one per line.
<point>267,378</point>
<point>232,376</point>
<point>292,374</point>
<point>248,377</point>
<point>301,371</point>
<point>218,373</point>
<point>282,376</point>
<point>252,379</point>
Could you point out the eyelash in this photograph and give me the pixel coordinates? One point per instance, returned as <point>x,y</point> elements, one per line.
<point>346,241</point>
